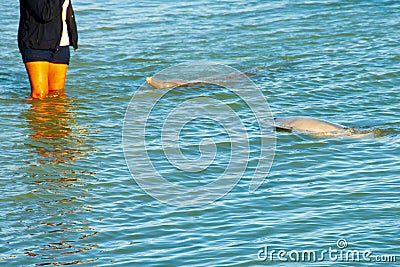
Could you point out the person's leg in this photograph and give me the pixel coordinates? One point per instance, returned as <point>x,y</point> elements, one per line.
<point>38,77</point>
<point>58,69</point>
<point>57,76</point>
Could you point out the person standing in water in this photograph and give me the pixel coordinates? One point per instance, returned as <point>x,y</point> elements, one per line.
<point>47,28</point>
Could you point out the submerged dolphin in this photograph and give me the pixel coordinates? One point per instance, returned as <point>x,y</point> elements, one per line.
<point>308,124</point>
<point>223,80</point>
<point>158,84</point>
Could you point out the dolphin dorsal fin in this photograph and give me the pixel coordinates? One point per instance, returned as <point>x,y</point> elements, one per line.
<point>283,128</point>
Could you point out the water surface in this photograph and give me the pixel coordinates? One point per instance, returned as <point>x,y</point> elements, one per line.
<point>67,196</point>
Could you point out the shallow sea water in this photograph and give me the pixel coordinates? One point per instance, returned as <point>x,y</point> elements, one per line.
<point>67,196</point>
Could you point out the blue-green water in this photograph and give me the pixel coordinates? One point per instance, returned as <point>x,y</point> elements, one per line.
<point>67,196</point>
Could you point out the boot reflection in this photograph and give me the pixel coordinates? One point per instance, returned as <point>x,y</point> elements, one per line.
<point>54,133</point>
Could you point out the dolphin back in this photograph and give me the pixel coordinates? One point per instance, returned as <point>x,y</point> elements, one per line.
<point>159,84</point>
<point>307,124</point>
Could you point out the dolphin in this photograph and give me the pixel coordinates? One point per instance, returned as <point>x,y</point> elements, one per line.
<point>309,124</point>
<point>223,80</point>
<point>159,84</point>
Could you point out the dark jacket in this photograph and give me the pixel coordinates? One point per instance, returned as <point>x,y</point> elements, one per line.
<point>40,25</point>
